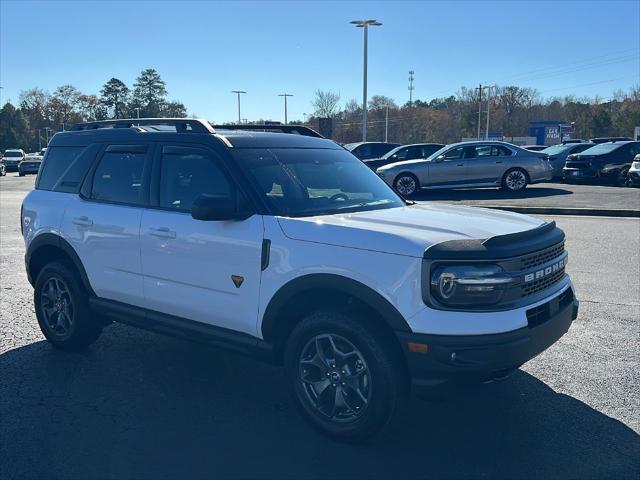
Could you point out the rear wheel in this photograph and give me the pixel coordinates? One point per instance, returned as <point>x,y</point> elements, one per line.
<point>62,309</point>
<point>343,377</point>
<point>515,180</point>
<point>406,184</point>
<point>21,174</point>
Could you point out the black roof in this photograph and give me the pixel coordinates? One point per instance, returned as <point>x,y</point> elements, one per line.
<point>169,129</point>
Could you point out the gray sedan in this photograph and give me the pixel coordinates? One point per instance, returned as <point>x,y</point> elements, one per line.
<point>470,164</point>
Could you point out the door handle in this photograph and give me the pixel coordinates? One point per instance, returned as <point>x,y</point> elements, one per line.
<point>460,165</point>
<point>499,161</point>
<point>162,232</point>
<point>82,221</point>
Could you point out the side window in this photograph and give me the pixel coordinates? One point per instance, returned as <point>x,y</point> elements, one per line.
<point>503,151</point>
<point>119,175</point>
<point>187,173</point>
<point>379,149</point>
<point>401,154</point>
<point>484,151</point>
<point>62,170</point>
<point>363,151</point>
<point>454,154</point>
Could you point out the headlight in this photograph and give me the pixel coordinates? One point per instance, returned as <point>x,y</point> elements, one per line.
<point>478,285</point>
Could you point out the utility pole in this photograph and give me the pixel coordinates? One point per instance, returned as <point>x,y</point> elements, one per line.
<point>285,95</point>
<point>488,88</point>
<point>411,87</point>
<point>364,24</point>
<point>238,92</point>
<point>137,109</point>
<point>386,125</point>
<point>479,90</point>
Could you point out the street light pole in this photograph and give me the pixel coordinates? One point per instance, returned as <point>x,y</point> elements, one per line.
<point>386,124</point>
<point>285,95</point>
<point>365,25</point>
<point>238,92</point>
<point>488,88</point>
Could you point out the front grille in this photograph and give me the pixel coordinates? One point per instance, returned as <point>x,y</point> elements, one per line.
<point>542,257</point>
<point>542,284</point>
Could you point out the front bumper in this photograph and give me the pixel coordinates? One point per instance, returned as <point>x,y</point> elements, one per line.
<point>482,358</point>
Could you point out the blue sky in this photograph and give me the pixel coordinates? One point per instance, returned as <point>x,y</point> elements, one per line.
<point>203,50</point>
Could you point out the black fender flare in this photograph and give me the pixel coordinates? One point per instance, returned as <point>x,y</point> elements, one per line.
<point>53,240</point>
<point>328,281</point>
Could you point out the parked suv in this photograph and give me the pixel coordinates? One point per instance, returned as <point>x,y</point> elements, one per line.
<point>470,164</point>
<point>404,152</point>
<point>557,154</point>
<point>603,163</point>
<point>367,150</point>
<point>12,159</point>
<point>288,248</point>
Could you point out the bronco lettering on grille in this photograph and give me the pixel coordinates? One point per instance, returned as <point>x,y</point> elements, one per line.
<point>549,270</point>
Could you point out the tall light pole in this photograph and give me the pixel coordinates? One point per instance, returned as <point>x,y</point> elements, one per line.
<point>488,88</point>
<point>285,95</point>
<point>364,24</point>
<point>386,124</point>
<point>238,92</point>
<point>137,109</point>
<point>479,90</point>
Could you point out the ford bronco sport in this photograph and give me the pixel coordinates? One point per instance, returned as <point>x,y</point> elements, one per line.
<point>286,246</point>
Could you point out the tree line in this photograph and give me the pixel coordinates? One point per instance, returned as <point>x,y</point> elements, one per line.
<point>448,119</point>
<point>40,113</point>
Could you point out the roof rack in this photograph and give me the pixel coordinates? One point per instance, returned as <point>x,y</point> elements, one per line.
<point>299,129</point>
<point>182,125</point>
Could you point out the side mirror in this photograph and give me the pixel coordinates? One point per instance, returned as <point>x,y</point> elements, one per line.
<point>217,208</point>
<point>440,158</point>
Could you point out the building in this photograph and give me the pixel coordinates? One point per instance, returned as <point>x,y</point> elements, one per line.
<point>551,132</point>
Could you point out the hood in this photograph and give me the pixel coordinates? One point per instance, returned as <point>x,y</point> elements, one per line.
<point>406,230</point>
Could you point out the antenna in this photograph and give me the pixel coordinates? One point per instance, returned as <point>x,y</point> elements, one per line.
<point>411,87</point>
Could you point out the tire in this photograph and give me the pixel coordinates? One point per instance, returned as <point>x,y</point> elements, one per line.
<point>326,390</point>
<point>406,184</point>
<point>622,179</point>
<point>21,174</point>
<point>62,308</point>
<point>515,180</point>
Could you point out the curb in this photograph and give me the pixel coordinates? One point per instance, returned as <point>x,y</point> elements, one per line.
<point>591,212</point>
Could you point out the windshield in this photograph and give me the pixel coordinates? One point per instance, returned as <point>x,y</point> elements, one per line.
<point>307,182</point>
<point>556,149</point>
<point>601,148</point>
<point>12,154</point>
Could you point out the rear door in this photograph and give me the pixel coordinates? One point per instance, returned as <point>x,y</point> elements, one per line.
<point>487,163</point>
<point>103,223</point>
<point>206,271</point>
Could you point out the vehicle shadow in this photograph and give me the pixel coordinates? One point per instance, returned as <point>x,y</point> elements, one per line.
<point>489,194</point>
<point>137,405</point>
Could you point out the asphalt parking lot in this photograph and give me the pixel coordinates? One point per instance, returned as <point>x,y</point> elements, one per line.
<point>141,405</point>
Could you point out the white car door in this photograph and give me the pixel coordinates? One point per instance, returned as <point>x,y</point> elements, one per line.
<point>104,227</point>
<point>206,271</point>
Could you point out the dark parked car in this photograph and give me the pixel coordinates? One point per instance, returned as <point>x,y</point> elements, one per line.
<point>610,139</point>
<point>602,163</point>
<point>405,152</point>
<point>367,150</point>
<point>557,154</point>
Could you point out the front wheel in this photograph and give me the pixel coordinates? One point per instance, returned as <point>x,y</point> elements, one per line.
<point>342,375</point>
<point>622,180</point>
<point>21,174</point>
<point>514,180</point>
<point>406,184</point>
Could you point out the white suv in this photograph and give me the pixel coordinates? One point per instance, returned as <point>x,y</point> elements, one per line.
<point>287,247</point>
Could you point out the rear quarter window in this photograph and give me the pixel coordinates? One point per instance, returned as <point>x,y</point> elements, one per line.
<point>63,169</point>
